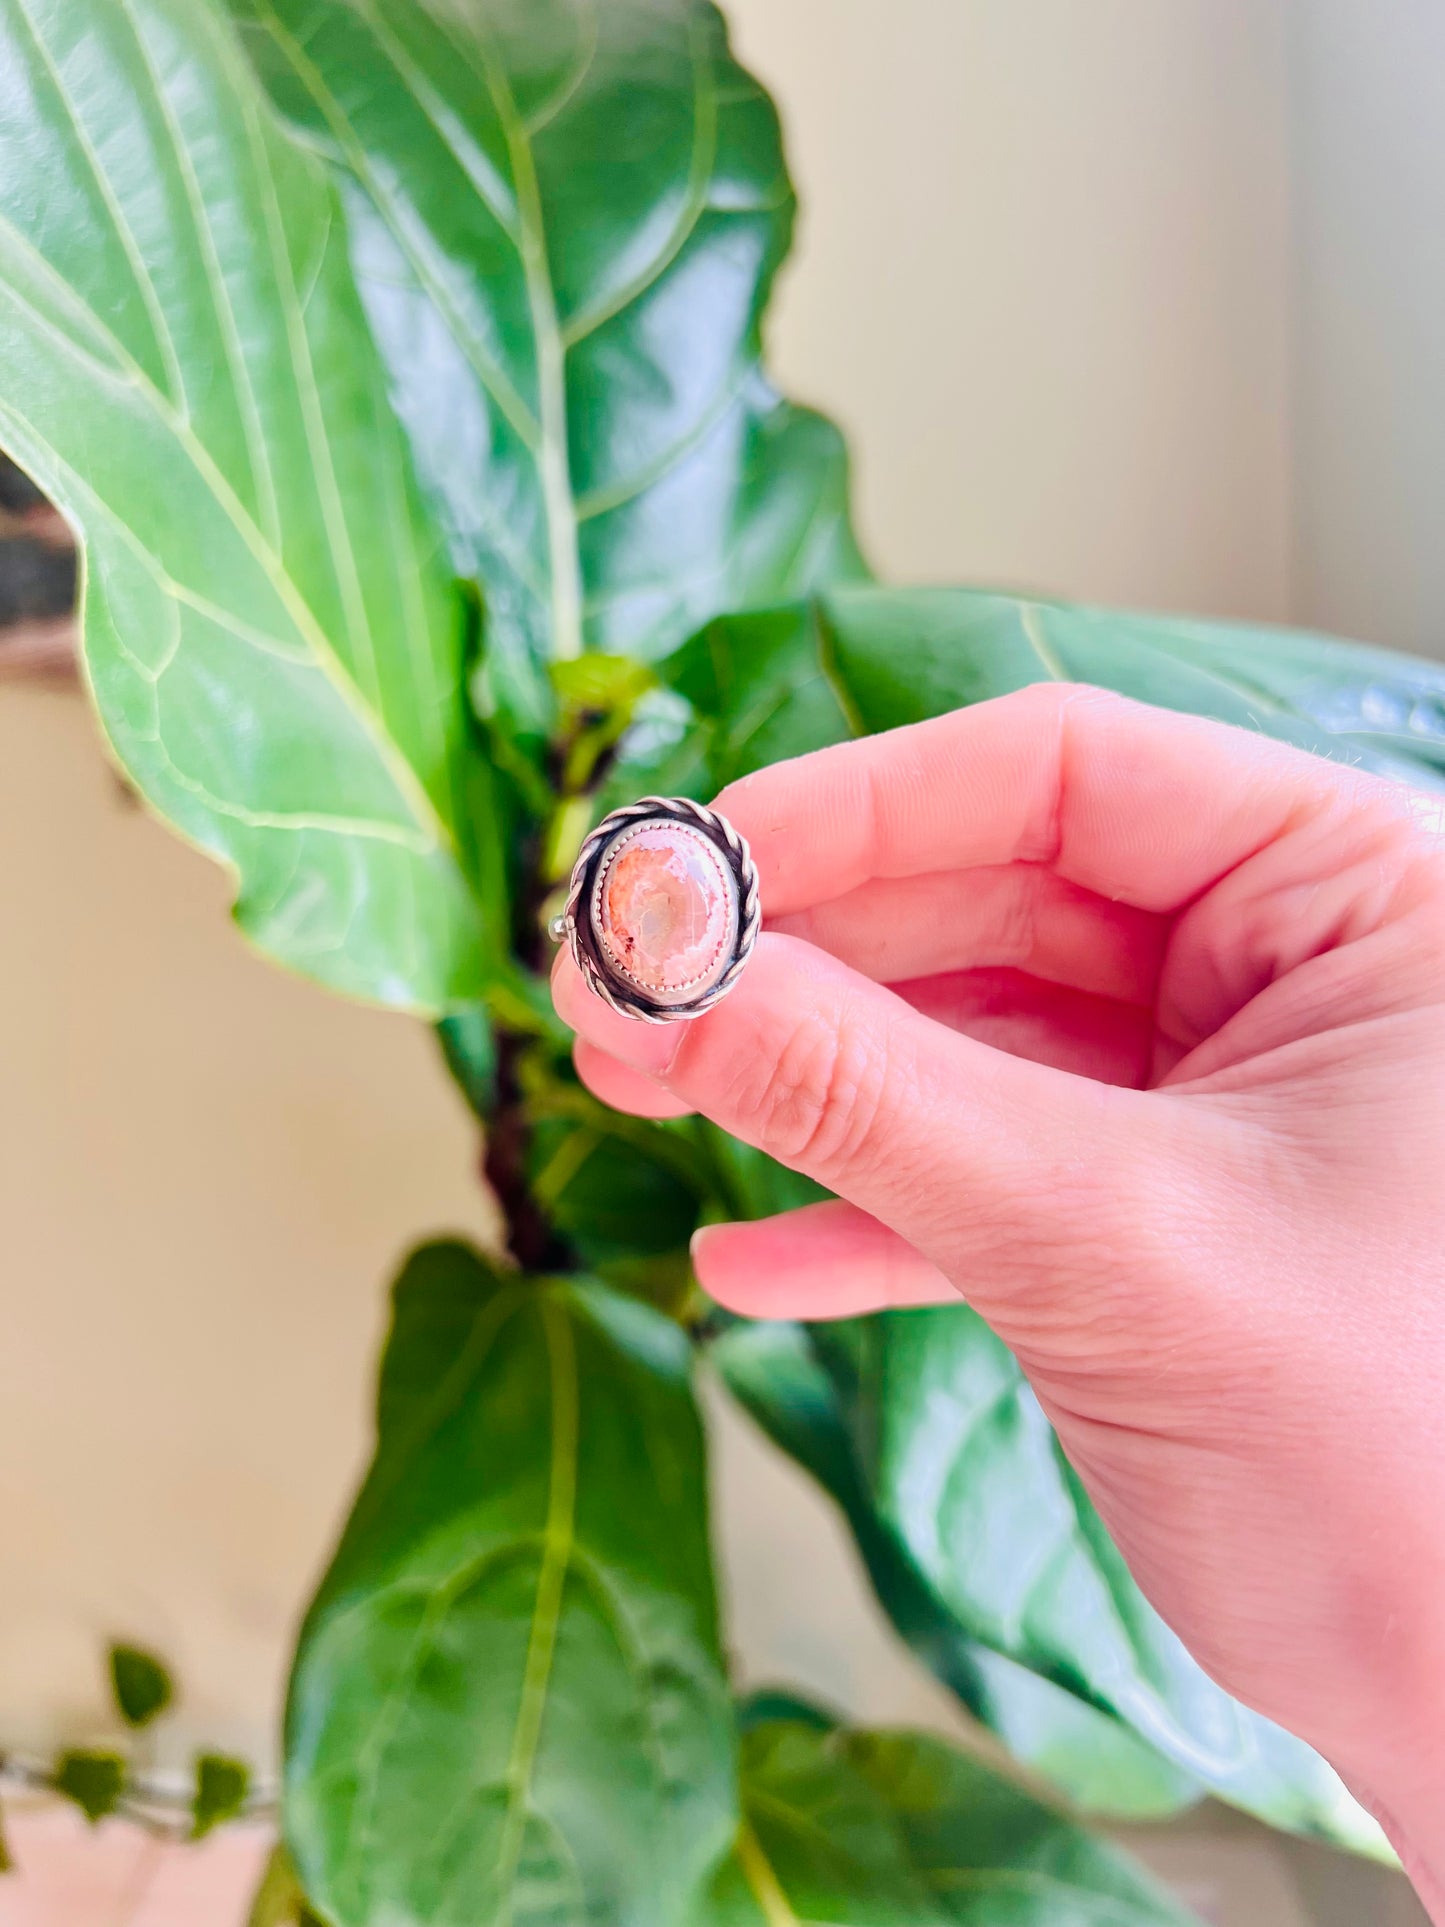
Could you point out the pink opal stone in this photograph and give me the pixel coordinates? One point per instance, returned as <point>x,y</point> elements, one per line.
<point>665,911</point>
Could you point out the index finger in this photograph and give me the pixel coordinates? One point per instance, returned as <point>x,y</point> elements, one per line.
<point>1140,805</point>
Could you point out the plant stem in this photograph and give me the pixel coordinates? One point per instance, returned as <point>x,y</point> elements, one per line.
<point>531,1239</point>
<point>547,849</point>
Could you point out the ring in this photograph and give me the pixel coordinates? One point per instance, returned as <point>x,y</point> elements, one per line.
<point>662,910</point>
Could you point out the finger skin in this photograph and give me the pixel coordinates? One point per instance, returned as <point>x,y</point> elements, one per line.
<point>622,1087</point>
<point>1094,1037</point>
<point>950,1143</point>
<point>825,1261</point>
<point>1133,803</point>
<point>1016,916</point>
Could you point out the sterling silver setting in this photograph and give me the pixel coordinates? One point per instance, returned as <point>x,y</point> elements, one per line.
<point>578,925</point>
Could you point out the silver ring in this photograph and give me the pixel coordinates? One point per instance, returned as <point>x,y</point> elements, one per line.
<point>662,910</point>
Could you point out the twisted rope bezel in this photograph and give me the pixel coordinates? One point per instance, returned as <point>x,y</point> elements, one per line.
<point>575,923</point>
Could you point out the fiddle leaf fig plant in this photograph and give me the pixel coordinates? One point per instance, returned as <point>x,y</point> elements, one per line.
<point>397,364</point>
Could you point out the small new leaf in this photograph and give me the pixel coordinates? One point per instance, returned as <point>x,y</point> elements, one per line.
<point>93,1780</point>
<point>222,1785</point>
<point>7,1864</point>
<point>142,1686</point>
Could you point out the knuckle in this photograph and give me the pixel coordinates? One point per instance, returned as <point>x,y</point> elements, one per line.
<point>818,1103</point>
<point>1018,937</point>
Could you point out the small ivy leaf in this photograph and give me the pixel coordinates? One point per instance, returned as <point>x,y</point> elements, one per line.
<point>221,1788</point>
<point>141,1684</point>
<point>93,1780</point>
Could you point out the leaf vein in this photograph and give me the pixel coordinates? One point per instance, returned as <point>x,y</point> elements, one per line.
<point>258,457</point>
<point>588,41</point>
<point>559,1535</point>
<point>695,198</point>
<point>496,384</point>
<point>145,286</point>
<point>553,456</point>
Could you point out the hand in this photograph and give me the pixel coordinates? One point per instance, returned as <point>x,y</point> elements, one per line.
<point>1130,1028</point>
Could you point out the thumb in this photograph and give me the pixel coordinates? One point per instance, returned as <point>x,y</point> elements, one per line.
<point>988,1164</point>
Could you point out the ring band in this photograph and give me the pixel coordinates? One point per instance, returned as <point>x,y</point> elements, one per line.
<point>662,909</point>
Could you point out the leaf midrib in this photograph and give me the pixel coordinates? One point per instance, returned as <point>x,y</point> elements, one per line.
<point>553,456</point>
<point>701,161</point>
<point>546,433</point>
<point>558,1538</point>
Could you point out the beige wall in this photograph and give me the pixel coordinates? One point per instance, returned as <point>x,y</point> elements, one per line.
<point>1042,282</point>
<point>1045,282</point>
<point>1368,153</point>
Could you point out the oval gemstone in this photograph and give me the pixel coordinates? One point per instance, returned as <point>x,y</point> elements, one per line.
<point>665,910</point>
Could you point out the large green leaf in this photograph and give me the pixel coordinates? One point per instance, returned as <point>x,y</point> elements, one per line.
<point>566,216</point>
<point>861,659</point>
<point>508,1703</point>
<point>1090,1755</point>
<point>185,367</point>
<point>895,1830</point>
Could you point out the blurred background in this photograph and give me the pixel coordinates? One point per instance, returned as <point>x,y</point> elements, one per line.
<point>1130,302</point>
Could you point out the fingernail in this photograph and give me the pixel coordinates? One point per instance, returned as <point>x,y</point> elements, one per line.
<point>649,1048</point>
<point>644,1047</point>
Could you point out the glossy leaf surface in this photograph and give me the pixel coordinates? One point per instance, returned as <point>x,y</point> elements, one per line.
<point>856,660</point>
<point>566,216</point>
<point>185,367</point>
<point>895,1830</point>
<point>508,1702</point>
<point>1091,1756</point>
